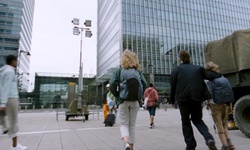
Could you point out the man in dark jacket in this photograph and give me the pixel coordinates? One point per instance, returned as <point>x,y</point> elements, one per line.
<point>189,90</point>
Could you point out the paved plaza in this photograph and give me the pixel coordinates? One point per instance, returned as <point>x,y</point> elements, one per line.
<point>41,131</point>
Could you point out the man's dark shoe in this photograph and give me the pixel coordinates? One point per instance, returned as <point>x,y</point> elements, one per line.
<point>5,132</point>
<point>224,148</point>
<point>231,147</point>
<point>211,145</point>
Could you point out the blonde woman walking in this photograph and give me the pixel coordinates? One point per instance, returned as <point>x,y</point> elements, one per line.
<point>128,85</point>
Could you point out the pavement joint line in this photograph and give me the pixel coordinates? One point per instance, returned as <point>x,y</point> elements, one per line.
<point>82,129</point>
<point>41,132</point>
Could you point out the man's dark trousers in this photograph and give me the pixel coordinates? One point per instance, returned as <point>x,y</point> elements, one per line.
<point>193,109</point>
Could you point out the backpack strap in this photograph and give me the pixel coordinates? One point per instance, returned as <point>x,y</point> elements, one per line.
<point>119,73</point>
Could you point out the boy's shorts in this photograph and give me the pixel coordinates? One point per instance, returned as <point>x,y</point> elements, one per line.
<point>220,116</point>
<point>152,110</point>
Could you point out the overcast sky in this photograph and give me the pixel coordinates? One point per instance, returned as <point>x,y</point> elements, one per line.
<point>54,47</point>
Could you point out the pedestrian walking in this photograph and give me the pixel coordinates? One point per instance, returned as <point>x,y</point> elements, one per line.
<point>152,103</point>
<point>111,101</point>
<point>127,85</point>
<point>220,104</point>
<point>188,90</point>
<point>105,105</point>
<point>105,109</point>
<point>3,121</point>
<point>165,102</point>
<point>9,100</point>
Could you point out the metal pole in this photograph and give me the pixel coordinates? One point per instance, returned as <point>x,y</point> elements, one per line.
<point>81,49</point>
<point>57,111</point>
<point>80,82</point>
<point>18,70</point>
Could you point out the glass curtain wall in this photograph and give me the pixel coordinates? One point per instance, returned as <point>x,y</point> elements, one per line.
<point>108,46</point>
<point>153,27</point>
<point>53,88</point>
<point>10,28</point>
<point>25,41</point>
<point>16,21</point>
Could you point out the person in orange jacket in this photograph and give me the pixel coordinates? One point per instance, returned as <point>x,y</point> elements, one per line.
<point>105,109</point>
<point>105,104</point>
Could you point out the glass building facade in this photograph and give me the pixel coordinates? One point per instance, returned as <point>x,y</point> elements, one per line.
<point>53,88</point>
<point>16,19</point>
<point>109,35</point>
<point>152,28</point>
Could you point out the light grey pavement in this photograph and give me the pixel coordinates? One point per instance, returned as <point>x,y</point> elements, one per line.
<point>41,131</point>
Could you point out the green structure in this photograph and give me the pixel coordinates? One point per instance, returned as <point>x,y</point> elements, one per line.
<point>53,89</point>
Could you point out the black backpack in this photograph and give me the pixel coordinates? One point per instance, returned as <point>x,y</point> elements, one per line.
<point>221,90</point>
<point>131,88</point>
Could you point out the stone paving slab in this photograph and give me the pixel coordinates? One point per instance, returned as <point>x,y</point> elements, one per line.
<point>41,131</point>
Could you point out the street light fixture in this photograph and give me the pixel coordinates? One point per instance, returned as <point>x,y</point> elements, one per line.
<point>169,52</point>
<point>77,30</point>
<point>88,34</point>
<point>19,58</point>
<point>26,52</point>
<point>75,21</point>
<point>23,73</point>
<point>87,23</point>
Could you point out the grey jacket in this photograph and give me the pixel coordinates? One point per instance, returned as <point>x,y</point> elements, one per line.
<point>8,84</point>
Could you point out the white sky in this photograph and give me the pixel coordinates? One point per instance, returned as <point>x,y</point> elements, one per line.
<point>54,47</point>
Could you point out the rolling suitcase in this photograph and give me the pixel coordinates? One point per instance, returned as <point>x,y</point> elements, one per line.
<point>110,120</point>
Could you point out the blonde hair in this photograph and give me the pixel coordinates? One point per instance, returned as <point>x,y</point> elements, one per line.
<point>212,66</point>
<point>129,60</point>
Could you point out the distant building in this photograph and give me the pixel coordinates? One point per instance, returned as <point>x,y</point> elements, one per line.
<point>16,21</point>
<point>152,28</point>
<point>55,88</point>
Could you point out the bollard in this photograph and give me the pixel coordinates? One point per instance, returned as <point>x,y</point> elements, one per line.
<point>26,107</point>
<point>62,106</point>
<point>42,107</point>
<point>57,113</point>
<point>161,106</point>
<point>33,107</point>
<point>51,107</point>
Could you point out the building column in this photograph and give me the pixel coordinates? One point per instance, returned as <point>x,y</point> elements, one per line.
<point>152,78</point>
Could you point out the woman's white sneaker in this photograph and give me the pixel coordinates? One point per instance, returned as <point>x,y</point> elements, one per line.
<point>19,147</point>
<point>127,147</point>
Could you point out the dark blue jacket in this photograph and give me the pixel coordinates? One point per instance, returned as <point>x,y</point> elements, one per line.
<point>187,83</point>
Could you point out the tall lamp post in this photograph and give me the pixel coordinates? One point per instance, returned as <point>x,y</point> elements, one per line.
<point>77,30</point>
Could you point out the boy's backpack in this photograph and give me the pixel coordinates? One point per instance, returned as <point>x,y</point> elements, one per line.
<point>131,88</point>
<point>222,91</point>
